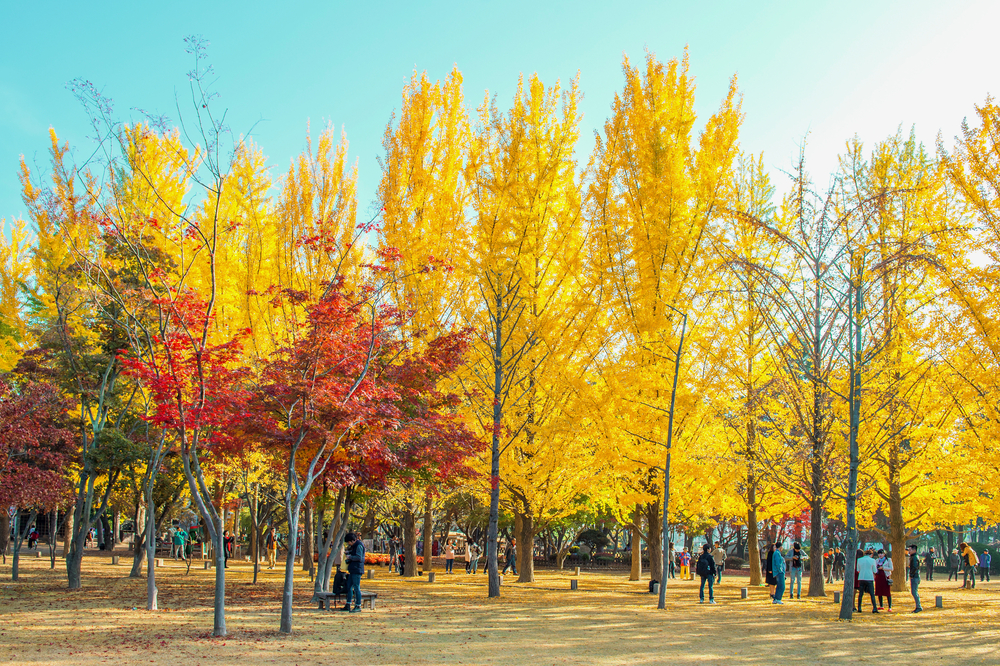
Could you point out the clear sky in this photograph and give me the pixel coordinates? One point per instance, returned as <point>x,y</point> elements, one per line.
<point>833,69</point>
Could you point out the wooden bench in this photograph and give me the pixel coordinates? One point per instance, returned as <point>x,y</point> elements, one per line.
<point>328,600</point>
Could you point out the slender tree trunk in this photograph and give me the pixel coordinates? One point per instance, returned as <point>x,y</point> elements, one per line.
<point>288,588</point>
<point>4,533</point>
<point>19,537</point>
<point>897,533</point>
<point>138,542</point>
<point>307,537</point>
<point>753,547</point>
<point>428,534</point>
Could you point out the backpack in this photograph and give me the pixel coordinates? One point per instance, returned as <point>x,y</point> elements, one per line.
<point>339,583</point>
<point>703,567</point>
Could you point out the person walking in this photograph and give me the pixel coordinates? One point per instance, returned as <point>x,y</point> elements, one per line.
<point>778,571</point>
<point>685,560</point>
<point>984,566</point>
<point>866,569</point>
<point>914,577</point>
<point>795,571</point>
<point>719,555</point>
<point>272,547</point>
<point>449,557</point>
<point>828,566</point>
<point>510,557</point>
<point>839,563</point>
<point>954,562</point>
<point>883,579</point>
<point>228,542</point>
<point>468,558</point>
<point>706,570</point>
<point>929,563</point>
<point>769,571</point>
<point>969,563</point>
<point>355,557</point>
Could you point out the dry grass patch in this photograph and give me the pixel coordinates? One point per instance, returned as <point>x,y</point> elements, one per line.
<point>608,621</point>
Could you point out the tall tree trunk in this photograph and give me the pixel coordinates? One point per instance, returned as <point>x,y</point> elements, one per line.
<point>654,539</point>
<point>150,543</point>
<point>816,580</point>
<point>428,534</point>
<point>525,549</point>
<point>753,546</point>
<point>4,533</point>
<point>409,540</point>
<point>636,571</point>
<point>138,542</point>
<point>897,527</point>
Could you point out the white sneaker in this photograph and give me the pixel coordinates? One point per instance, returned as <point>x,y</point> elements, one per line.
<point>711,601</point>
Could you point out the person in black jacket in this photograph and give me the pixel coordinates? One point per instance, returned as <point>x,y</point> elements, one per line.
<point>929,563</point>
<point>914,567</point>
<point>355,557</point>
<point>706,569</point>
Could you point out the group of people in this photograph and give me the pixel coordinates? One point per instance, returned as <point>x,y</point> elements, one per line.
<point>472,554</point>
<point>682,561</point>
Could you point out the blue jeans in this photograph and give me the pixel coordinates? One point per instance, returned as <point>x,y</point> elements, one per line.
<point>448,565</point>
<point>711,591</point>
<point>779,589</point>
<point>796,574</point>
<point>915,590</point>
<point>354,588</point>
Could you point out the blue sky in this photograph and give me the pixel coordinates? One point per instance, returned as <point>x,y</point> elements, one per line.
<point>832,69</point>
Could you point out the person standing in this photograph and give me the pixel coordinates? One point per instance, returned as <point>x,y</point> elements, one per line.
<point>795,571</point>
<point>449,557</point>
<point>474,562</point>
<point>671,561</point>
<point>180,536</point>
<point>227,547</point>
<point>866,569</point>
<point>914,577</point>
<point>984,566</point>
<point>355,557</point>
<point>778,571</point>
<point>706,570</point>
<point>272,547</point>
<point>468,557</point>
<point>719,555</point>
<point>929,563</point>
<point>685,559</point>
<point>969,563</point>
<point>393,554</point>
<point>828,565</point>
<point>954,562</point>
<point>883,578</point>
<point>769,578</point>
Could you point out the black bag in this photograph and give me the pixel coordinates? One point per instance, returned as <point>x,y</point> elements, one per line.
<point>704,568</point>
<point>340,583</point>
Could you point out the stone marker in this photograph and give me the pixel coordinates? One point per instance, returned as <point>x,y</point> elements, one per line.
<point>159,562</point>
<point>430,576</point>
<point>939,601</point>
<point>576,571</point>
<point>744,593</point>
<point>114,559</point>
<point>38,554</point>
<point>208,564</point>
<point>656,587</point>
<point>573,583</point>
<point>836,597</point>
<point>371,574</point>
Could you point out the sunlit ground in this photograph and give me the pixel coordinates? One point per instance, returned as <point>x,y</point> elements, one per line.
<point>607,621</point>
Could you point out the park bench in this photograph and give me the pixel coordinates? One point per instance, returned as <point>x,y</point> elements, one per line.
<point>328,600</point>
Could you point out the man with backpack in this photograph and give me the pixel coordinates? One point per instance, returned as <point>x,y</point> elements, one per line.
<point>705,568</point>
<point>355,557</point>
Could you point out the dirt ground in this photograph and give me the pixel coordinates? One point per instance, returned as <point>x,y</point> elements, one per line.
<point>607,621</point>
